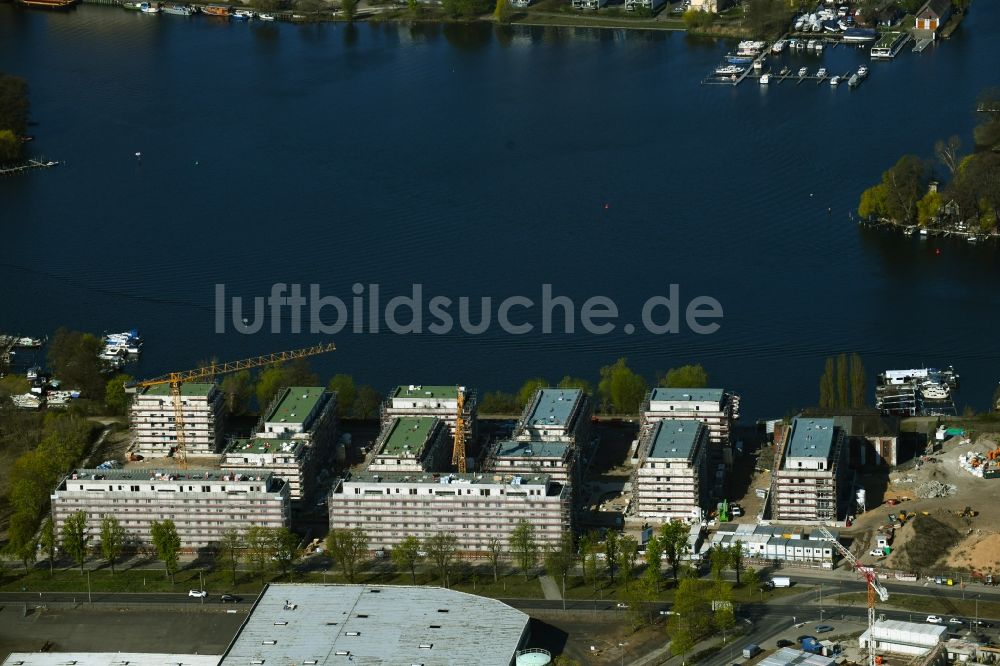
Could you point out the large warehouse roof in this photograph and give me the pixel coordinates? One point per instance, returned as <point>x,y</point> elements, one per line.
<point>109,659</point>
<point>320,625</point>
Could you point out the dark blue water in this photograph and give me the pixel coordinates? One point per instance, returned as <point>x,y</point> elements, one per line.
<point>483,163</point>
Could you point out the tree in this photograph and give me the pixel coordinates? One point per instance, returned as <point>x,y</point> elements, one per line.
<point>230,547</point>
<point>22,544</point>
<point>441,549</point>
<point>350,548</point>
<point>259,549</point>
<point>286,549</point>
<point>904,184</point>
<point>628,557</point>
<point>73,357</point>
<point>406,555</point>
<point>736,559</point>
<point>349,8</point>
<point>752,580</point>
<point>859,382</point>
<point>343,386</point>
<point>722,606</point>
<point>827,383</point>
<point>167,543</point>
<point>673,540</point>
<point>588,557</point>
<point>74,537</point>
<point>494,551</point>
<point>524,546</point>
<point>928,207</point>
<point>720,561</point>
<point>113,538</point>
<point>559,560</point>
<point>620,388</point>
<point>947,153</point>
<point>874,202</point>
<point>367,402</point>
<point>611,553</point>
<point>842,381</point>
<point>502,12</point>
<point>115,397</point>
<point>238,388</point>
<point>686,376</point>
<point>498,402</point>
<point>568,382</point>
<point>529,388</point>
<point>277,377</point>
<point>654,556</point>
<point>47,540</point>
<point>681,640</point>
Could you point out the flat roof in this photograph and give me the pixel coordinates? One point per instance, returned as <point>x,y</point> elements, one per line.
<point>296,624</point>
<point>432,478</point>
<point>791,657</point>
<point>687,395</point>
<point>188,389</point>
<point>674,439</point>
<point>265,445</point>
<point>925,628</point>
<point>422,391</point>
<point>408,435</point>
<point>513,448</point>
<point>553,406</point>
<point>810,438</point>
<point>140,474</point>
<point>296,404</point>
<point>109,659</point>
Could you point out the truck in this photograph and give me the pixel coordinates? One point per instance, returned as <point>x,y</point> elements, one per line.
<point>781,581</point>
<point>751,651</point>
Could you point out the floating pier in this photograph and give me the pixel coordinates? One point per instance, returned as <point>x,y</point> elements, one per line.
<point>27,166</point>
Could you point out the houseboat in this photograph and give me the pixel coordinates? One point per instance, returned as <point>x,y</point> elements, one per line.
<point>215,10</point>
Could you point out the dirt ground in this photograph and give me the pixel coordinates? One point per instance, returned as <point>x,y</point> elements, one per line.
<point>574,634</point>
<point>979,545</point>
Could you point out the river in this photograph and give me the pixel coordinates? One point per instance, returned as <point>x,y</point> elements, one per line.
<point>481,162</point>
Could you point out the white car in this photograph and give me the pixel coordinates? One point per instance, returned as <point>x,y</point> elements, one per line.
<point>622,604</point>
<point>934,619</point>
<point>955,620</point>
<point>200,594</point>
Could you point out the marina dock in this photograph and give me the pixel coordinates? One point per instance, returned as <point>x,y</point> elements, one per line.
<point>27,166</point>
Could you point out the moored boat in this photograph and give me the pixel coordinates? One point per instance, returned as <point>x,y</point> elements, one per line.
<point>835,81</point>
<point>863,71</point>
<point>803,71</point>
<point>854,81</point>
<point>48,4</point>
<point>215,10</point>
<point>821,73</point>
<point>265,17</point>
<point>738,59</point>
<point>778,46</point>
<point>149,8</point>
<point>132,6</point>
<point>243,14</point>
<point>860,35</point>
<point>729,70</point>
<point>179,10</point>
<point>765,79</point>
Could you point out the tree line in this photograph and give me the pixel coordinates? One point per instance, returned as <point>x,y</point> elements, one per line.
<point>13,116</point>
<point>971,180</point>
<point>843,383</point>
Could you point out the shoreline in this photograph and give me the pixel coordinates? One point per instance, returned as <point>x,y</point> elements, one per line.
<point>910,230</point>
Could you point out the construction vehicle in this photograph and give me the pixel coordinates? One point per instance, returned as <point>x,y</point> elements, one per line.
<point>874,588</point>
<point>458,450</point>
<point>208,372</point>
<point>968,512</point>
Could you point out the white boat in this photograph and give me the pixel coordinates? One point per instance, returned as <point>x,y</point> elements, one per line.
<point>778,46</point>
<point>179,10</point>
<point>835,81</point>
<point>923,232</point>
<point>265,17</point>
<point>243,14</point>
<point>28,343</point>
<point>863,71</point>
<point>765,79</point>
<point>854,81</point>
<point>803,71</point>
<point>811,44</point>
<point>972,239</point>
<point>758,63</point>
<point>729,70</point>
<point>821,72</point>
<point>149,8</point>
<point>819,47</point>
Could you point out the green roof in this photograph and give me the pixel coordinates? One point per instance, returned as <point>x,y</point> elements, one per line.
<point>419,391</point>
<point>192,389</point>
<point>264,445</point>
<point>408,435</point>
<point>296,404</point>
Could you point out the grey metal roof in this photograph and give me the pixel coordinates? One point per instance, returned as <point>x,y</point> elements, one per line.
<point>675,439</point>
<point>791,657</point>
<point>109,659</point>
<point>811,438</point>
<point>687,395</point>
<point>513,448</point>
<point>554,406</point>
<point>311,624</point>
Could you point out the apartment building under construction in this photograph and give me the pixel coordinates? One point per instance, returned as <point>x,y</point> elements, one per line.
<point>152,418</point>
<point>808,483</point>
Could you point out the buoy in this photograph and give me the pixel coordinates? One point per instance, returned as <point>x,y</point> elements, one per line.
<point>196,162</point>
<point>607,206</point>
<point>937,251</point>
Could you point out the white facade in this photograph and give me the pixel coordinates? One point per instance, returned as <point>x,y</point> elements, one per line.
<point>441,402</point>
<point>670,479</point>
<point>555,415</point>
<point>713,407</point>
<point>202,503</point>
<point>473,507</point>
<point>152,418</point>
<point>285,458</point>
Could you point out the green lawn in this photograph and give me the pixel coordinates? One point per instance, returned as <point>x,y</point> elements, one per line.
<point>929,605</point>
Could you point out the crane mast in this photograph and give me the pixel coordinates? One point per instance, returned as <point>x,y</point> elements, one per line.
<point>875,588</point>
<point>175,379</point>
<point>458,451</point>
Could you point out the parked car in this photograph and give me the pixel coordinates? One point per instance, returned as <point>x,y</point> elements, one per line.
<point>199,594</point>
<point>955,620</point>
<point>229,598</point>
<point>668,612</point>
<point>622,604</point>
<point>823,628</point>
<point>785,643</point>
<point>934,619</point>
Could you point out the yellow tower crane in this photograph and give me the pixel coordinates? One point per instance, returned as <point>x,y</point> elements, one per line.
<point>458,452</point>
<point>175,379</point>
